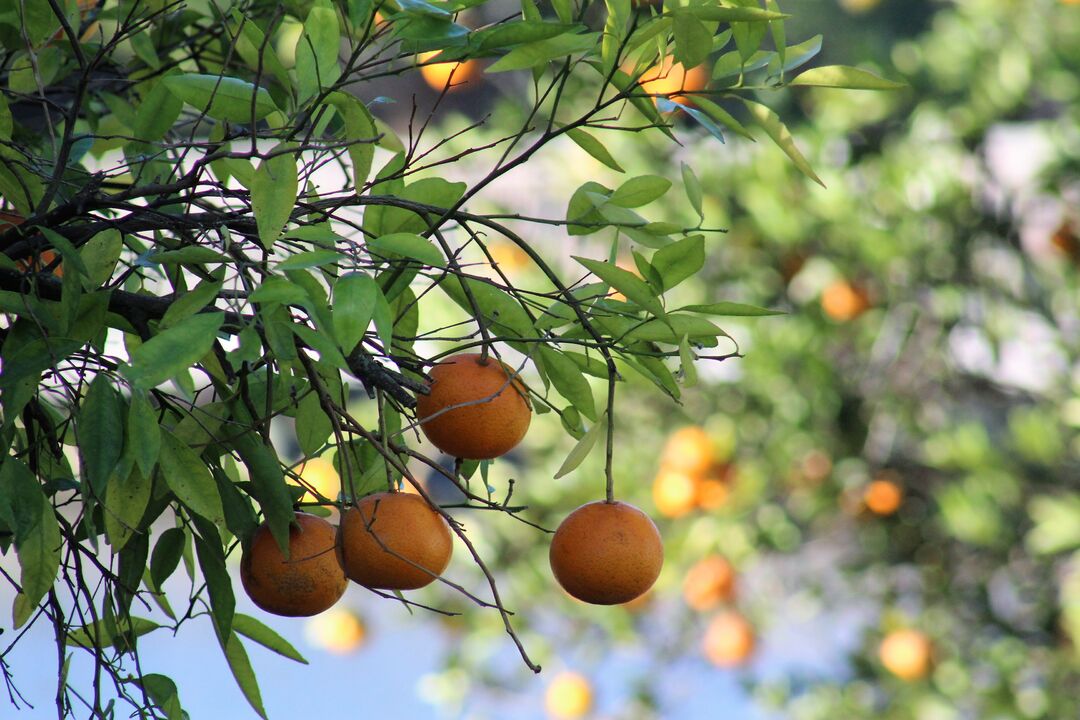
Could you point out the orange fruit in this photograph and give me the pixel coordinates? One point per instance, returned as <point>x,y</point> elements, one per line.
<point>671,78</point>
<point>674,493</point>
<point>857,7</point>
<point>320,474</point>
<point>394,541</point>
<point>843,301</point>
<point>689,450</point>
<point>729,639</point>
<point>709,582</point>
<point>713,490</point>
<point>906,653</point>
<point>606,553</point>
<point>337,631</point>
<point>1065,238</point>
<point>476,410</point>
<point>310,581</point>
<point>453,74</point>
<point>883,496</point>
<point>815,466</point>
<point>569,696</point>
<point>44,259</point>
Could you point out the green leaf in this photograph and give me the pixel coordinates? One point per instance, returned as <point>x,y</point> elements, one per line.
<point>100,255</point>
<point>796,55</point>
<point>101,433</point>
<point>267,482</point>
<point>188,477</point>
<point>515,33</point>
<point>640,190</point>
<point>614,37</point>
<point>679,260</point>
<point>842,76</point>
<point>499,310</point>
<point>780,135</point>
<point>360,133</point>
<point>584,447</point>
<point>126,499</point>
<point>279,290</point>
<point>157,113</point>
<point>355,296</point>
<point>686,358</point>
<point>191,255</point>
<point>241,669</point>
<point>732,309</point>
<point>222,98</point>
<point>540,53</point>
<point>429,191</point>
<point>732,14</point>
<point>191,302</point>
<point>25,509</point>
<point>309,259</point>
<point>218,582</point>
<point>567,378</point>
<point>722,116</point>
<point>120,635</point>
<point>166,556</point>
<point>581,213</point>
<point>407,245</point>
<point>273,194</point>
<point>693,189</point>
<point>172,351</point>
<point>251,45</point>
<point>143,440</point>
<point>594,147</point>
<point>313,427</point>
<point>251,628</point>
<point>321,343</point>
<point>693,41</point>
<point>72,258</point>
<point>630,285</point>
<point>162,690</point>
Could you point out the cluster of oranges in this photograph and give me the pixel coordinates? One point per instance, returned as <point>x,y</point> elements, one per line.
<point>691,477</point>
<point>709,586</point>
<point>477,408</point>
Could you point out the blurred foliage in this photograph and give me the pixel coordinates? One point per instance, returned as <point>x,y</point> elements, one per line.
<point>951,210</point>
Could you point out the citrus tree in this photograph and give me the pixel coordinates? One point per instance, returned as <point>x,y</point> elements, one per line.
<point>885,490</point>
<point>209,233</point>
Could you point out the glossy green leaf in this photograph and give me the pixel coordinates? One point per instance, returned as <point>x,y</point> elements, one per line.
<point>188,477</point>
<point>222,98</point>
<point>693,41</point>
<point>541,52</point>
<point>567,378</point>
<point>273,194</point>
<point>583,447</point>
<point>309,259</point>
<point>842,76</point>
<point>100,255</point>
<point>732,309</point>
<point>630,285</point>
<point>407,245</point>
<point>166,556</point>
<point>679,260</point>
<point>360,133</point>
<point>355,296</point>
<point>780,135</point>
<point>268,484</point>
<point>693,189</point>
<point>686,360</point>
<point>240,666</point>
<point>255,630</point>
<point>126,499</point>
<point>173,351</point>
<point>25,509</point>
<point>640,190</point>
<point>101,433</point>
<point>594,147</point>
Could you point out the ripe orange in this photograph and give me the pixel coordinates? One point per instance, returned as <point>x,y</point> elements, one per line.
<point>714,489</point>
<point>606,553</point>
<point>689,450</point>
<point>906,653</point>
<point>883,496</point>
<point>310,581</point>
<point>474,411</point>
<point>709,582</point>
<point>320,474</point>
<point>455,74</point>
<point>671,78</point>
<point>43,260</point>
<point>674,493</point>
<point>729,639</point>
<point>843,301</point>
<point>394,541</point>
<point>337,631</point>
<point>569,696</point>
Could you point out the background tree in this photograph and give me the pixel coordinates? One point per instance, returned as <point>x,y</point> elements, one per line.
<point>209,233</point>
